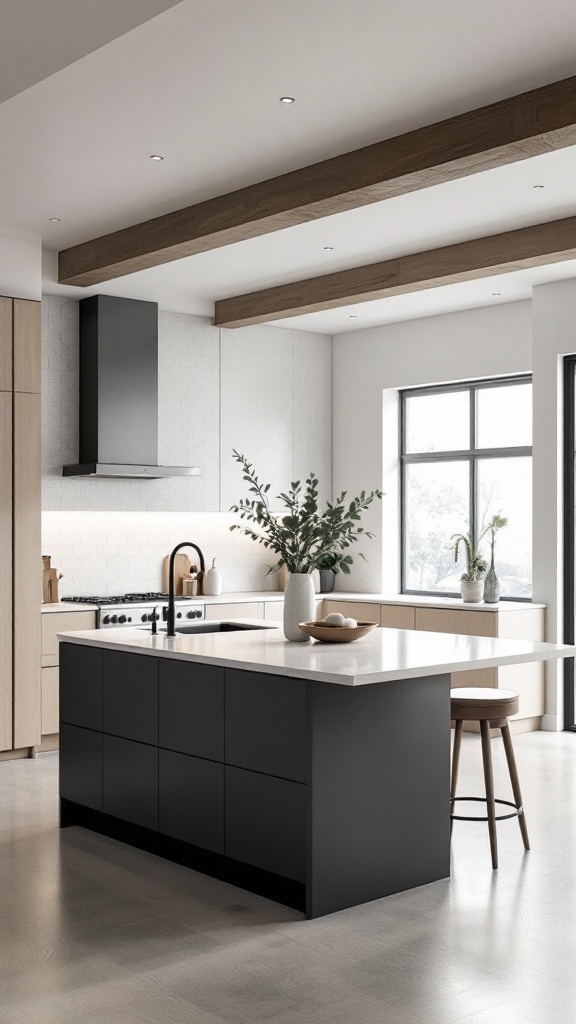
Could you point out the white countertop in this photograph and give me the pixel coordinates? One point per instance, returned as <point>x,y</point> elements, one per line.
<point>417,601</point>
<point>68,606</point>
<point>244,597</point>
<point>383,655</point>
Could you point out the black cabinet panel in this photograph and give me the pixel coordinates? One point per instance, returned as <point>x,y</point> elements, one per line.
<point>191,709</point>
<point>130,789</point>
<point>81,766</point>
<point>265,822</point>
<point>81,685</point>
<point>265,724</point>
<point>131,696</point>
<point>191,800</point>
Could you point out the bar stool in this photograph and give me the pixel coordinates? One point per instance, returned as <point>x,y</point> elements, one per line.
<point>491,708</point>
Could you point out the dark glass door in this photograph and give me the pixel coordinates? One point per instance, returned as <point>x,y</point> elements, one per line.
<point>569,536</point>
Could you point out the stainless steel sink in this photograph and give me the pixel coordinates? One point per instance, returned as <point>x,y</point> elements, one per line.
<point>208,627</point>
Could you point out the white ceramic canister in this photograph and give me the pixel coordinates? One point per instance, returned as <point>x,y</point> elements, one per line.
<point>212,582</point>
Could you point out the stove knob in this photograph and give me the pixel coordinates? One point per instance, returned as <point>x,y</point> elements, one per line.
<point>190,615</point>
<point>179,615</point>
<point>198,614</point>
<point>129,618</point>
<point>122,618</point>
<point>144,618</point>
<point>113,618</point>
<point>106,620</point>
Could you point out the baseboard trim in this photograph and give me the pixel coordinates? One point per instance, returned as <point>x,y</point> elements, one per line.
<point>550,723</point>
<point>264,883</point>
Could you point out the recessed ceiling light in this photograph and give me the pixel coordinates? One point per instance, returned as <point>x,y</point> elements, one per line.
<point>353,316</point>
<point>287,99</point>
<point>495,294</point>
<point>54,220</point>
<point>156,156</point>
<point>538,186</point>
<point>328,248</point>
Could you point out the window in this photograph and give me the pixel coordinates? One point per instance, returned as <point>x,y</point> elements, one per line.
<point>465,455</point>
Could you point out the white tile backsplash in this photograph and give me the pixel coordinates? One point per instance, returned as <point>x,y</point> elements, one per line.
<point>263,390</point>
<point>115,552</point>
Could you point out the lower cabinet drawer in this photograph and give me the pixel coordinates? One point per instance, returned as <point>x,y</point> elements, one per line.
<point>81,766</point>
<point>130,781</point>
<point>191,800</point>
<point>265,822</point>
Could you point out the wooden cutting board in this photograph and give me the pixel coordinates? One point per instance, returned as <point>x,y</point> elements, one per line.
<point>181,569</point>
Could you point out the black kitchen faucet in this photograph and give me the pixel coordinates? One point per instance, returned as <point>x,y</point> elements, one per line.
<point>171,618</point>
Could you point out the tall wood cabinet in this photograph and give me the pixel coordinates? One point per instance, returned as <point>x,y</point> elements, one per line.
<point>20,546</point>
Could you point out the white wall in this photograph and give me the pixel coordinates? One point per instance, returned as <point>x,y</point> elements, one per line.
<point>20,265</point>
<point>369,367</point>
<point>265,391</point>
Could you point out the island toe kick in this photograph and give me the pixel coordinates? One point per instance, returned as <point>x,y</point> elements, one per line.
<point>316,795</point>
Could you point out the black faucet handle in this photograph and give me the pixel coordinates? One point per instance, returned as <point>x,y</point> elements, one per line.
<point>154,618</point>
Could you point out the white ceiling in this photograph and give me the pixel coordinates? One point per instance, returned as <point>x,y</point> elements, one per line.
<point>200,84</point>
<point>40,37</point>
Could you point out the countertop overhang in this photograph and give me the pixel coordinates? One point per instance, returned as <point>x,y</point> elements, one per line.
<point>384,655</point>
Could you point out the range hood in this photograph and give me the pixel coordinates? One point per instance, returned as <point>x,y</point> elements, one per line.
<point>119,391</point>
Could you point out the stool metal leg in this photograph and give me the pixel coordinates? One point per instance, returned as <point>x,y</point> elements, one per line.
<point>489,783</point>
<point>455,763</point>
<point>509,749</point>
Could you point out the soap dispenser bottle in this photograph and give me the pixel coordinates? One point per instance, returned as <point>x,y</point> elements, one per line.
<point>213,581</point>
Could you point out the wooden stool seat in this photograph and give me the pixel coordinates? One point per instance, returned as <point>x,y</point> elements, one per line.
<point>475,703</point>
<point>489,707</point>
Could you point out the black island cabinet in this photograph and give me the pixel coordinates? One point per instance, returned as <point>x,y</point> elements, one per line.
<point>318,795</point>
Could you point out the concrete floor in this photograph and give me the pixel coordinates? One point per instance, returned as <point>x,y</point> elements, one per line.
<point>92,932</point>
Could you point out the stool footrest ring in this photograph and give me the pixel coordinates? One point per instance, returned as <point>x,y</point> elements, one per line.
<point>518,809</point>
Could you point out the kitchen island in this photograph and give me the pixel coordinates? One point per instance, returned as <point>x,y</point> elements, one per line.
<point>315,774</point>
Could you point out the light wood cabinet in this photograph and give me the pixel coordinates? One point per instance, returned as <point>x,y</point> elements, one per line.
<point>27,348</point>
<point>6,573</point>
<point>27,571</point>
<point>52,624</point>
<point>61,622</point>
<point>21,582</point>
<point>355,610</point>
<point>397,616</point>
<point>456,620</point>
<point>5,344</point>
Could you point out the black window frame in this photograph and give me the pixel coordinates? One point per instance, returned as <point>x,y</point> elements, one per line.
<point>569,571</point>
<point>473,455</point>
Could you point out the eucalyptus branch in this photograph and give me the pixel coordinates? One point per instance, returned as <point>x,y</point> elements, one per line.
<point>304,537</point>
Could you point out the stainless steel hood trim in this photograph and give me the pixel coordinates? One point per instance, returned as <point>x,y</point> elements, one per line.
<point>99,469</point>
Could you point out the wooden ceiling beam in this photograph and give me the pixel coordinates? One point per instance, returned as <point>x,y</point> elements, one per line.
<point>523,126</point>
<point>533,246</point>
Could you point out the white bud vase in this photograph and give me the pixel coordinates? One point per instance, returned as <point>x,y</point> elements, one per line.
<point>299,604</point>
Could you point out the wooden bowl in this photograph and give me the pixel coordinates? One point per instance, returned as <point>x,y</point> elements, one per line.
<point>336,634</point>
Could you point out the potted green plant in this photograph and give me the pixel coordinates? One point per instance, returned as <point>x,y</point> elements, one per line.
<point>492,583</point>
<point>471,581</point>
<point>303,536</point>
<point>328,567</point>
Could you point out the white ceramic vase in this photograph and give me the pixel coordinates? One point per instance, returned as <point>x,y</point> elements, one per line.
<point>212,583</point>
<point>472,592</point>
<point>299,604</point>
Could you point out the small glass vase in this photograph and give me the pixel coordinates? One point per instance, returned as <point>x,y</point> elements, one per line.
<point>491,586</point>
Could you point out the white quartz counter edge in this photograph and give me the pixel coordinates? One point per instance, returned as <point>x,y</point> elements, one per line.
<point>384,655</point>
<point>68,606</point>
